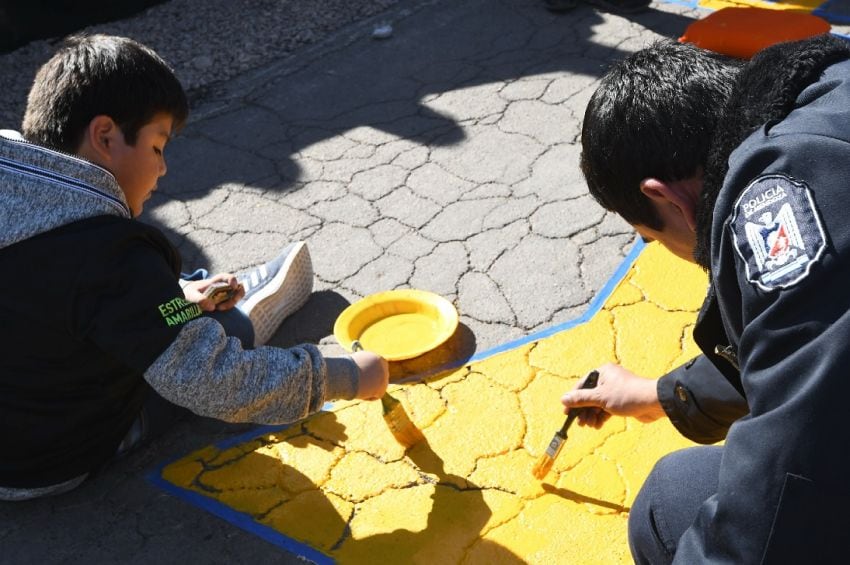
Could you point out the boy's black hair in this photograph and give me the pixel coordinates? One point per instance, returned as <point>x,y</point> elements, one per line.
<point>653,115</point>
<point>100,75</point>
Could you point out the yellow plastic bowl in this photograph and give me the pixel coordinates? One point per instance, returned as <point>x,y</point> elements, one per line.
<point>397,324</point>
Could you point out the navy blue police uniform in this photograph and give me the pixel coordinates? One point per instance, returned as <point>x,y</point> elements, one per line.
<point>774,231</point>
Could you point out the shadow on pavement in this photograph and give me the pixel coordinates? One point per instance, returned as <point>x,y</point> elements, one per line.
<point>311,322</point>
<point>578,497</point>
<point>261,138</point>
<point>255,479</point>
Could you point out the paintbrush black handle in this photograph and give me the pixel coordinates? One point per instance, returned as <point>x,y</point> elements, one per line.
<point>589,382</point>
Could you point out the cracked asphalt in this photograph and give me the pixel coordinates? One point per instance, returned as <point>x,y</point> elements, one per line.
<point>443,158</point>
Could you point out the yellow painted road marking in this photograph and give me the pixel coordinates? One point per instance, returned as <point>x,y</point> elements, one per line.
<point>339,483</point>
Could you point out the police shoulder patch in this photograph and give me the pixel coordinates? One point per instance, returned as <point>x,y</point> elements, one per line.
<point>777,231</point>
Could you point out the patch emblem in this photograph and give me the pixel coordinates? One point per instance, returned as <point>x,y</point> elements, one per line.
<point>777,231</point>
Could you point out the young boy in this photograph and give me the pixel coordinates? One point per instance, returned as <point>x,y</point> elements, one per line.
<point>104,339</point>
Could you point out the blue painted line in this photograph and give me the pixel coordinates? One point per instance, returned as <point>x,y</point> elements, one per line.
<point>689,3</point>
<point>822,11</point>
<point>594,307</point>
<point>240,519</point>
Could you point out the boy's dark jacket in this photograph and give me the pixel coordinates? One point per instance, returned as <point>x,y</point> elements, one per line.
<point>777,189</point>
<point>93,315</point>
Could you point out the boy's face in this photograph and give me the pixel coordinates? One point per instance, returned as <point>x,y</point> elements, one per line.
<point>137,168</point>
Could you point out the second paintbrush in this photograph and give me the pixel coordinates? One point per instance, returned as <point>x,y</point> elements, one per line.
<point>544,464</point>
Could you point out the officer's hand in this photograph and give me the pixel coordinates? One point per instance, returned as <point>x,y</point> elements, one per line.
<point>618,392</point>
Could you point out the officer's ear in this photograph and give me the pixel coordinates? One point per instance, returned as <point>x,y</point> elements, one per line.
<point>675,200</point>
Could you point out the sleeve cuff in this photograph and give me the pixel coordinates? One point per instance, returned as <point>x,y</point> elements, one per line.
<point>696,400</point>
<point>343,378</point>
<point>670,396</point>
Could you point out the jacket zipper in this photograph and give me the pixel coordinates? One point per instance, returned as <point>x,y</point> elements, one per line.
<point>729,354</point>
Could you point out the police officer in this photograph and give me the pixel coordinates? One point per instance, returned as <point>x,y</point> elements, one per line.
<point>743,168</point>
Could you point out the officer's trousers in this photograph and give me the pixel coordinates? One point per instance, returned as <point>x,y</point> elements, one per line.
<point>669,500</point>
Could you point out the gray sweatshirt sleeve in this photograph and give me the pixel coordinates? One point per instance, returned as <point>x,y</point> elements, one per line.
<point>211,375</point>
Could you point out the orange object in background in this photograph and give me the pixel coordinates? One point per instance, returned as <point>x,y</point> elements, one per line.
<point>741,32</point>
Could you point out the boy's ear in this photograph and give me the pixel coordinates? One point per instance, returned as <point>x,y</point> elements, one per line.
<point>100,139</point>
<point>682,195</point>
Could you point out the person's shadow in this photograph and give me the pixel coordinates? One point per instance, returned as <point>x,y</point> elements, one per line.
<point>260,145</point>
<point>458,515</point>
<point>267,486</point>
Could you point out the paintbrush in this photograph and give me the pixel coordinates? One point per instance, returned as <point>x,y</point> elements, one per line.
<point>544,464</point>
<point>399,423</point>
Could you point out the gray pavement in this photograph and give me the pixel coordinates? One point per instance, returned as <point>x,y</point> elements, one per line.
<point>442,158</point>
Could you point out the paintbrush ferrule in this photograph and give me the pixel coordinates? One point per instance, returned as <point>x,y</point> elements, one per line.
<point>555,446</point>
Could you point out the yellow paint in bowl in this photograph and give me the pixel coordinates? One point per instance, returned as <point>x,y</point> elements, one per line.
<point>398,324</point>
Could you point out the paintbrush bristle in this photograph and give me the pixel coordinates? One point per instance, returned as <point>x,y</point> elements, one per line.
<point>544,464</point>
<point>405,433</point>
<point>542,467</point>
<point>399,423</point>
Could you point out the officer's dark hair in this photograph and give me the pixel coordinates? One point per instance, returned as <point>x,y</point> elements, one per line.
<point>653,115</point>
<point>100,75</point>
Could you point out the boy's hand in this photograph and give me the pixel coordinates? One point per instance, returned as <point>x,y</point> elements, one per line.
<point>618,392</point>
<point>374,375</point>
<point>196,291</point>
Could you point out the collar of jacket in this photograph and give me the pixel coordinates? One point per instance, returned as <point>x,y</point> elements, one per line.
<point>765,91</point>
<point>42,189</point>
